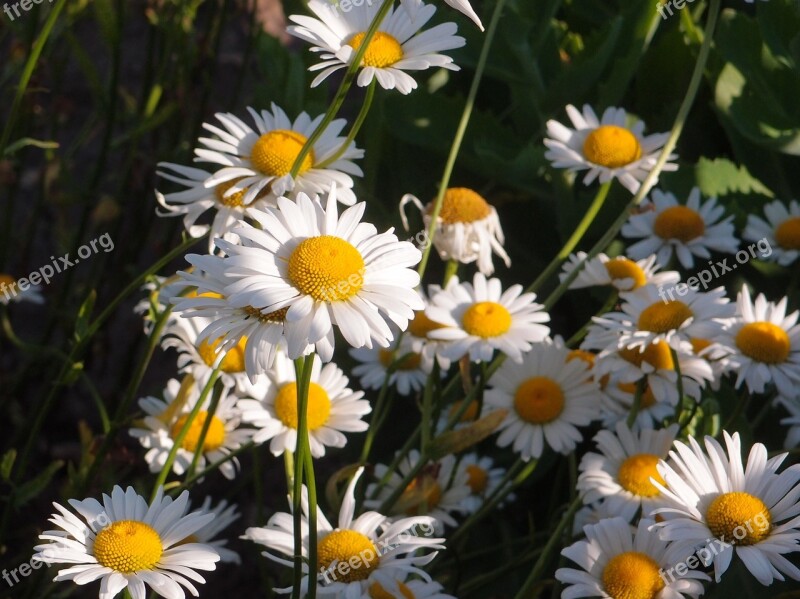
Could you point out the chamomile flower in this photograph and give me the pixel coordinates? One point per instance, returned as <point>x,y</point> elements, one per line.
<point>480,318</point>
<point>618,399</point>
<point>712,500</point>
<point>781,231</point>
<point>482,478</point>
<point>546,396</point>
<point>257,163</point>
<point>11,291</point>
<point>224,516</point>
<point>764,344</point>
<point>326,270</point>
<point>620,474</point>
<point>165,419</point>
<point>792,421</point>
<point>620,272</point>
<point>333,409</point>
<point>159,293</point>
<point>397,46</point>
<point>410,371</point>
<point>383,550</point>
<point>126,543</point>
<point>616,561</point>
<point>415,589</point>
<point>589,515</point>
<point>607,147</point>
<point>419,329</point>
<point>463,6</point>
<point>467,228</point>
<point>693,230</point>
<point>439,490</point>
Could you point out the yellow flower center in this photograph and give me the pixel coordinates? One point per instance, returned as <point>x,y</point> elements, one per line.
<point>581,354</point>
<point>662,317</point>
<point>632,575</point>
<point>232,201</point>
<point>319,405</point>
<point>611,146</point>
<point>383,50</point>
<point>478,479</point>
<point>421,325</point>
<point>128,546</point>
<point>539,400</point>
<point>376,591</point>
<point>486,319</point>
<point>622,268</point>
<point>215,436</point>
<point>276,317</point>
<point>698,344</point>
<point>410,362</point>
<point>327,268</point>
<point>787,234</point>
<point>635,473</point>
<point>470,414</point>
<point>233,361</point>
<point>679,222</point>
<point>657,354</point>
<point>648,400</point>
<point>275,152</point>
<point>764,342</point>
<point>462,205</point>
<point>739,518</point>
<point>343,545</point>
<point>423,491</point>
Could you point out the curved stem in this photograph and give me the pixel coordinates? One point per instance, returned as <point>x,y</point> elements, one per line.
<point>304,466</point>
<point>362,115</point>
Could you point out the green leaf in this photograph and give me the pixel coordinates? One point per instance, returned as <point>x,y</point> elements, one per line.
<point>84,315</point>
<point>7,463</point>
<point>29,141</point>
<point>35,486</point>
<point>720,177</point>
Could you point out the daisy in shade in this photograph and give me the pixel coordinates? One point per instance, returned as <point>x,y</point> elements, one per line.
<point>617,561</point>
<point>397,46</point>
<point>620,474</point>
<point>325,270</point>
<point>165,419</point>
<point>383,550</point>
<point>793,422</point>
<point>333,409</point>
<point>607,147</point>
<point>764,345</point>
<point>781,231</point>
<point>482,478</point>
<point>10,291</point>
<point>412,6</point>
<point>621,273</point>
<point>413,589</point>
<point>126,543</point>
<point>257,163</point>
<point>590,515</point>
<point>547,397</point>
<point>467,228</point>
<point>224,516</point>
<point>694,230</point>
<point>411,369</point>
<point>480,318</point>
<point>159,293</point>
<point>419,329</point>
<point>439,490</point>
<point>712,500</point>
<point>618,399</point>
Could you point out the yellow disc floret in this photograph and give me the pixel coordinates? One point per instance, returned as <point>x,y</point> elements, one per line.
<point>486,319</point>
<point>478,479</point>
<point>612,146</point>
<point>128,546</point>
<point>233,361</point>
<point>376,591</point>
<point>787,234</point>
<point>662,317</point>
<point>635,473</point>
<point>632,575</point>
<point>319,405</point>
<point>383,50</point>
<point>679,222</point>
<point>422,492</point>
<point>327,268</point>
<point>539,400</point>
<point>622,268</point>
<point>462,205</point>
<point>215,436</point>
<point>739,518</point>
<point>657,355</point>
<point>764,342</point>
<point>409,361</point>
<point>421,325</point>
<point>275,152</point>
<point>342,546</point>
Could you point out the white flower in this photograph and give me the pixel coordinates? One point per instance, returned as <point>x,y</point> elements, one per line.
<point>781,230</point>
<point>412,6</point>
<point>607,147</point>
<point>258,162</point>
<point>479,318</point>
<point>126,543</point>
<point>159,291</point>
<point>419,329</point>
<point>410,372</point>
<point>397,46</point>
<point>482,478</point>
<point>664,226</point>
<point>415,589</point>
<point>332,409</point>
<point>618,399</point>
<point>546,396</point>
<point>712,500</point>
<point>11,291</point>
<point>617,561</point>
<point>467,228</point>
<point>355,554</point>
<point>620,272</point>
<point>224,516</point>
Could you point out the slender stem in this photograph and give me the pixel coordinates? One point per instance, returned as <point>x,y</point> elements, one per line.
<point>201,441</point>
<point>450,271</point>
<point>427,410</point>
<point>581,333</point>
<point>302,368</point>
<point>679,383</point>
<point>362,115</point>
<point>312,524</point>
<point>288,466</point>
<point>637,401</point>
<point>210,468</point>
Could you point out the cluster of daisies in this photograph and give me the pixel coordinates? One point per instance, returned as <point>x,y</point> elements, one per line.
<point>289,271</point>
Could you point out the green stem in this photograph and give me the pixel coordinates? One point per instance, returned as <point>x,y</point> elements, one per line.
<point>580,334</point>
<point>362,115</point>
<point>212,410</point>
<point>450,271</point>
<point>637,401</point>
<point>302,369</point>
<point>210,468</point>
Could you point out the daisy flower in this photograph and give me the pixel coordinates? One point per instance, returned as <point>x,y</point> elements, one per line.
<point>480,318</point>
<point>482,478</point>
<point>397,46</point>
<point>410,372</point>
<point>224,516</point>
<point>333,409</point>
<point>618,399</point>
<point>589,515</point>
<point>419,329</point>
<point>617,561</point>
<point>712,500</point>
<point>159,293</point>
<point>781,231</point>
<point>607,147</point>
<point>12,291</point>
<point>467,228</point>
<point>620,474</point>
<point>165,419</point>
<point>621,273</point>
<point>664,226</point>
<point>376,549</point>
<point>256,164</point>
<point>793,422</point>
<point>463,6</point>
<point>415,589</point>
<point>127,543</point>
<point>547,396</point>
<point>764,345</point>
<point>438,491</point>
